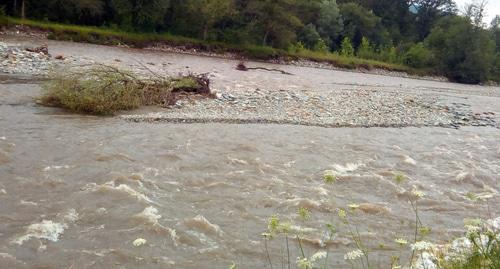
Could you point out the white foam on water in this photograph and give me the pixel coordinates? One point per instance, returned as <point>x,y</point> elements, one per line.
<point>120,188</point>
<point>46,229</point>
<point>71,216</point>
<point>205,240</point>
<point>305,203</point>
<point>56,167</point>
<point>409,160</point>
<point>3,138</point>
<point>23,202</point>
<point>344,170</point>
<point>462,175</point>
<point>236,161</point>
<point>201,223</point>
<point>150,215</point>
<point>3,191</point>
<point>321,191</point>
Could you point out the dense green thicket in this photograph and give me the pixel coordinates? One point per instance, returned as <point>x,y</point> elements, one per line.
<point>406,32</point>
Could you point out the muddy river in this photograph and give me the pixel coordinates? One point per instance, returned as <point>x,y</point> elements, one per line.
<point>79,191</point>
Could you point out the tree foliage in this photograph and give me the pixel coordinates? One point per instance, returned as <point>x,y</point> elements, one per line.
<point>421,33</point>
<point>463,51</point>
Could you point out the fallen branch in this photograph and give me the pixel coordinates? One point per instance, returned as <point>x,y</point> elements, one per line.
<point>242,67</point>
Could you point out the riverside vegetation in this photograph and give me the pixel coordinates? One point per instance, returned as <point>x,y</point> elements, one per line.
<point>104,90</point>
<point>479,248</point>
<point>416,36</point>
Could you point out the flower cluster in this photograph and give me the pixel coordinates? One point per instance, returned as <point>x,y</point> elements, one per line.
<point>417,193</point>
<point>422,246</point>
<point>401,241</point>
<point>353,255</point>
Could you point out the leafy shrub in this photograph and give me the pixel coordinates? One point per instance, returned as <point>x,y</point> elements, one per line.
<point>260,52</point>
<point>346,48</point>
<point>388,54</point>
<point>321,46</point>
<point>365,49</point>
<point>418,56</point>
<point>297,47</point>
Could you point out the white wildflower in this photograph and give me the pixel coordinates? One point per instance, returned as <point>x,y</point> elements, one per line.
<point>304,263</point>
<point>417,193</point>
<point>401,241</point>
<point>472,230</point>
<point>422,245</point>
<point>353,255</point>
<point>318,256</point>
<point>353,206</point>
<point>139,242</point>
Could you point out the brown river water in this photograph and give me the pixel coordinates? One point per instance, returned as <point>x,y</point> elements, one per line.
<point>76,191</point>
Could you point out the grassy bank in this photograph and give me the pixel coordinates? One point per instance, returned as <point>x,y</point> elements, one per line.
<point>107,36</point>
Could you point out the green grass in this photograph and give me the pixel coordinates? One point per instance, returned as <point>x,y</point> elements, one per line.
<point>107,36</point>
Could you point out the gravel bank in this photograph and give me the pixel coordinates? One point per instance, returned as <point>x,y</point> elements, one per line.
<point>257,100</point>
<point>338,108</point>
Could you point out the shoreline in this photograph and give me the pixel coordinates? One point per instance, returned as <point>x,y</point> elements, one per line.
<point>189,49</point>
<point>259,96</point>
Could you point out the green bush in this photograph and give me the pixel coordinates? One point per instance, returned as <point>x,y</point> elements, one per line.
<point>418,56</point>
<point>260,52</point>
<point>365,49</point>
<point>297,47</point>
<point>321,46</point>
<point>389,54</point>
<point>346,48</point>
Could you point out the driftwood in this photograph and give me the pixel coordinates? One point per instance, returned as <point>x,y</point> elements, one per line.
<point>242,67</point>
<point>42,49</point>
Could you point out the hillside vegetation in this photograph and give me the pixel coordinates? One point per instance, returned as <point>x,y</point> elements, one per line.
<point>425,36</point>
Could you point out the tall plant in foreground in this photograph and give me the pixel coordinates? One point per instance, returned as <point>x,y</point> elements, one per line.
<point>478,249</point>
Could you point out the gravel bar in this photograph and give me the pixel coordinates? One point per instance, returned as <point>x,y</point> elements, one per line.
<point>350,106</point>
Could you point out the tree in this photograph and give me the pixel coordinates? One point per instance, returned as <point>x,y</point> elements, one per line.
<point>140,14</point>
<point>475,11</point>
<point>329,21</point>
<point>274,20</point>
<point>309,36</point>
<point>346,48</point>
<point>365,49</point>
<point>463,52</point>
<point>428,12</point>
<point>209,12</point>
<point>495,29</point>
<point>395,16</point>
<point>360,22</point>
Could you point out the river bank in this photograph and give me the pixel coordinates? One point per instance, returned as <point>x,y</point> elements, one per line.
<point>309,96</point>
